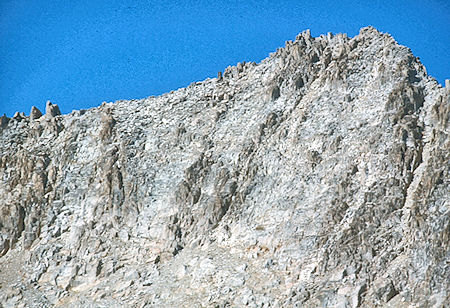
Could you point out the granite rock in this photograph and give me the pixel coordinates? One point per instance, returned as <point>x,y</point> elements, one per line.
<point>318,177</point>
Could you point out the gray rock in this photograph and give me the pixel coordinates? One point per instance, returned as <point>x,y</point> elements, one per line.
<point>275,92</point>
<point>316,178</point>
<point>4,121</point>
<point>35,113</point>
<point>18,116</point>
<point>385,290</point>
<point>52,110</point>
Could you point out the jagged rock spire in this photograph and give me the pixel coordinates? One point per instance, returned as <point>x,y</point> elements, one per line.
<point>4,120</point>
<point>52,110</point>
<point>35,113</point>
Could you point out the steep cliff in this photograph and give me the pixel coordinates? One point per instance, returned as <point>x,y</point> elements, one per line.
<point>318,177</point>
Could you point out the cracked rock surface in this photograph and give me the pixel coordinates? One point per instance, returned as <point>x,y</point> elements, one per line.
<point>316,178</point>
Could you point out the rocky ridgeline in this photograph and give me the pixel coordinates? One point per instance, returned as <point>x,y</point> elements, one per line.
<point>316,178</point>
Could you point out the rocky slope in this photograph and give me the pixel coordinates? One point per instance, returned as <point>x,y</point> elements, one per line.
<point>318,177</point>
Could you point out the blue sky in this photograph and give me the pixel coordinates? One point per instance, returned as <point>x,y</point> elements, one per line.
<point>80,53</point>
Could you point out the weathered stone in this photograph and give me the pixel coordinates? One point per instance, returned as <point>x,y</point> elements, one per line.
<point>4,246</point>
<point>4,121</point>
<point>275,93</point>
<point>316,178</point>
<point>52,110</point>
<point>35,113</point>
<point>123,235</point>
<point>240,67</point>
<point>385,290</point>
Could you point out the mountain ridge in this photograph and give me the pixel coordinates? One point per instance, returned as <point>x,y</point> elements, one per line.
<point>317,177</point>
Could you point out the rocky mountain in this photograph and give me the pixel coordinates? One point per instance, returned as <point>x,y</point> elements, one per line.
<point>316,178</point>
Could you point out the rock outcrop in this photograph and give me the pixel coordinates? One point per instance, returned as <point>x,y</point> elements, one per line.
<point>51,110</point>
<point>35,113</point>
<point>316,178</point>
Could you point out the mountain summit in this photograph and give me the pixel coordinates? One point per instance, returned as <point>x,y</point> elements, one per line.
<point>316,178</point>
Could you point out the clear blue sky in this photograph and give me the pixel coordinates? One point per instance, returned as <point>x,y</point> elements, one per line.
<point>80,53</point>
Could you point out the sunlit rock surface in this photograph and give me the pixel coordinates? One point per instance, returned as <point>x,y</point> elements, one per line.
<point>316,178</point>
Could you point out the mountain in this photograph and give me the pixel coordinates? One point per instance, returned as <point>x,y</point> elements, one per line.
<point>316,178</point>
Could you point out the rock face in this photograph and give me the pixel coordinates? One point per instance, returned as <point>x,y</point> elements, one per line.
<point>316,178</point>
<point>35,113</point>
<point>51,110</point>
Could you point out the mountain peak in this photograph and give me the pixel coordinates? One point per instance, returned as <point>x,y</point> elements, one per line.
<point>317,177</point>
